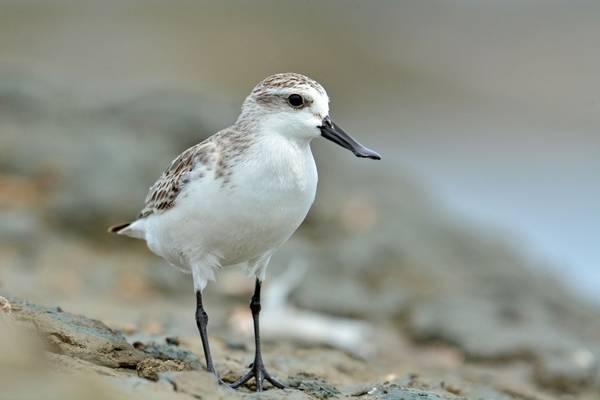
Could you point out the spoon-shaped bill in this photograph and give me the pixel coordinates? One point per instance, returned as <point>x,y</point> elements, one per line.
<point>331,131</point>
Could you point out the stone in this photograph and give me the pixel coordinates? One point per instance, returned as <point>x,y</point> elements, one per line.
<point>151,368</point>
<point>78,336</point>
<point>393,391</point>
<point>314,386</point>
<point>165,351</point>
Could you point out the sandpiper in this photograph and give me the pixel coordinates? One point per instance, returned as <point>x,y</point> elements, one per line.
<point>236,197</point>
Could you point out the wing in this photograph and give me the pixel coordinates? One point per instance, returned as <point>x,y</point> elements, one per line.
<point>217,152</point>
<point>163,194</point>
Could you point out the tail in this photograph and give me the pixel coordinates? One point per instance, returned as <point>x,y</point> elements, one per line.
<point>134,229</point>
<point>118,228</point>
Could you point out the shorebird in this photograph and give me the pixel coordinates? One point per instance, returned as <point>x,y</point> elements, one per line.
<point>236,197</point>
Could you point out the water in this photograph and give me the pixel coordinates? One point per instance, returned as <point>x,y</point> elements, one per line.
<point>550,205</point>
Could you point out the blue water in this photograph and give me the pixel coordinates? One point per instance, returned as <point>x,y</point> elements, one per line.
<point>563,237</point>
<point>550,205</point>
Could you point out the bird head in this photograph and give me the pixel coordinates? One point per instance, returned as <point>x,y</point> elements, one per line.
<point>297,107</point>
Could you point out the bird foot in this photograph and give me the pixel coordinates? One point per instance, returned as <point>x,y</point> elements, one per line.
<point>260,374</point>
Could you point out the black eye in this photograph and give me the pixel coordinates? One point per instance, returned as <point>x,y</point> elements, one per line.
<point>295,100</point>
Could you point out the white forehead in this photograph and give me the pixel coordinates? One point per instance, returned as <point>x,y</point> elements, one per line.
<point>320,103</point>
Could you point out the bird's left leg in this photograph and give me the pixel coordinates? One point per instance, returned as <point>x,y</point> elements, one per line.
<point>257,368</point>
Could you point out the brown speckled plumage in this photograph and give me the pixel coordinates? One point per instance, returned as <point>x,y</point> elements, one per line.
<point>286,80</point>
<point>217,153</point>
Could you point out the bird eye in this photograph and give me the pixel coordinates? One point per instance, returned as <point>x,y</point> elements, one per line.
<point>295,100</point>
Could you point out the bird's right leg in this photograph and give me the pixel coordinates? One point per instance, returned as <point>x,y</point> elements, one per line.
<point>202,321</point>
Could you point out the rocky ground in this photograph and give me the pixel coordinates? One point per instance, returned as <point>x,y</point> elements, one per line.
<point>404,302</point>
<point>69,355</point>
<point>76,352</point>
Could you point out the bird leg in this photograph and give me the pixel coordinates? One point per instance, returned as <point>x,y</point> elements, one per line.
<point>202,321</point>
<point>257,368</point>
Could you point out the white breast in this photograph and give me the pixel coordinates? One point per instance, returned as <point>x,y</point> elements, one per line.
<point>270,191</point>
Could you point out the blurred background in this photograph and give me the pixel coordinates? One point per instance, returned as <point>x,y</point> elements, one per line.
<point>478,243</point>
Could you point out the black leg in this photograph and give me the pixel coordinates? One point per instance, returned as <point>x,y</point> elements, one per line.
<point>257,368</point>
<point>202,321</point>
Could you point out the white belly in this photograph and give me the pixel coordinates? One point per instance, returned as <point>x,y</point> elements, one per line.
<point>265,201</point>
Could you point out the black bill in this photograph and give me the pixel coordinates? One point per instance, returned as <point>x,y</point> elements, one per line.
<point>331,131</point>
